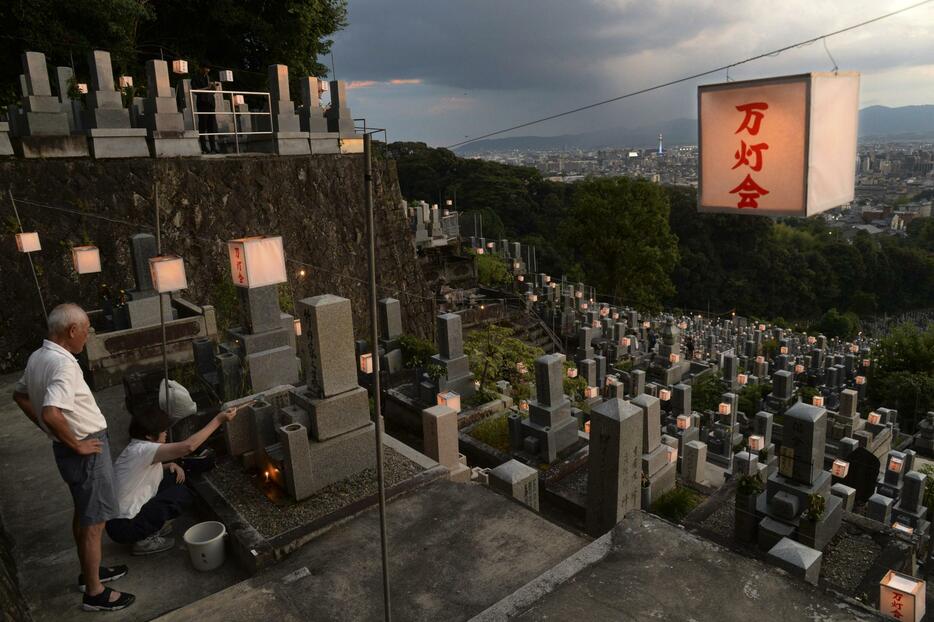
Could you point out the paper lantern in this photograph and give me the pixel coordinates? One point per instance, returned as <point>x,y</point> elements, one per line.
<point>760,359</point>
<point>297,327</point>
<point>646,324</point>
<point>257,261</point>
<point>799,369</point>
<point>450,399</point>
<point>761,327</point>
<point>587,427</point>
<point>238,100</point>
<point>724,408</point>
<point>865,362</point>
<point>664,394</point>
<point>860,380</point>
<point>902,597</point>
<point>672,454</point>
<point>572,372</point>
<point>742,379</point>
<point>86,259</point>
<point>854,348</point>
<point>683,325</point>
<point>323,86</point>
<point>783,350</point>
<point>583,306</point>
<point>491,245</point>
<point>625,341</point>
<point>779,146</point>
<point>683,422</point>
<point>125,82</point>
<point>366,363</point>
<point>168,273</point>
<point>225,75</point>
<point>616,316</point>
<point>905,529</point>
<point>533,297</point>
<point>590,392</point>
<point>180,66</point>
<point>479,251</point>
<point>812,340</point>
<point>82,87</point>
<point>28,242</point>
<point>524,405</point>
<point>874,418</point>
<point>449,202</point>
<point>578,294</point>
<point>520,278</point>
<point>840,468</point>
<point>673,358</point>
<point>895,464</point>
<point>817,400</point>
<point>756,442</point>
<point>516,265</point>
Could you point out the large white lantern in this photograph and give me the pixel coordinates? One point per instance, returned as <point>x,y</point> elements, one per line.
<point>366,363</point>
<point>86,259</point>
<point>874,418</point>
<point>779,146</point>
<point>450,399</point>
<point>168,273</point>
<point>756,442</point>
<point>664,394</point>
<point>225,75</point>
<point>901,597</point>
<point>742,379</point>
<point>180,66</point>
<point>125,82</point>
<point>82,87</point>
<point>683,422</point>
<point>297,326</point>
<point>257,261</point>
<point>28,242</point>
<point>724,408</point>
<point>840,468</point>
<point>817,400</point>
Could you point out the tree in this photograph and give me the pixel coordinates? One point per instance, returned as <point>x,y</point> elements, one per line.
<point>492,271</point>
<point>495,355</point>
<point>902,376</point>
<point>706,392</point>
<point>618,230</point>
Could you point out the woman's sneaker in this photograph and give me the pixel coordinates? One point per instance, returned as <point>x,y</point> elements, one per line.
<point>102,601</point>
<point>153,544</point>
<point>166,530</point>
<point>111,573</point>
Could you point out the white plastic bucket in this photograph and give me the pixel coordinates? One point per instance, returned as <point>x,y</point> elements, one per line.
<point>205,542</point>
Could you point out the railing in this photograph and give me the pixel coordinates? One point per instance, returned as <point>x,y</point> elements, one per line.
<point>232,112</point>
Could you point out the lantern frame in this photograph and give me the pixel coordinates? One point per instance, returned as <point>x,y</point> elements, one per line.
<point>664,394</point>
<point>874,418</point>
<point>180,66</point>
<point>225,75</point>
<point>683,422</point>
<point>817,400</point>
<point>89,253</point>
<point>168,273</point>
<point>262,262</point>
<point>909,589</point>
<point>28,242</point>
<point>755,442</point>
<point>365,363</point>
<point>451,399</point>
<point>840,468</point>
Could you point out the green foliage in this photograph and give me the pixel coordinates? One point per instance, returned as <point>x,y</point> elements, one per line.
<point>226,305</point>
<point>815,509</point>
<point>492,271</point>
<point>749,485</point>
<point>706,392</point>
<point>836,324</point>
<point>928,469</point>
<point>494,431</point>
<point>247,35</point>
<point>807,394</point>
<point>675,504</point>
<point>750,395</point>
<point>902,376</point>
<point>416,352</point>
<point>494,354</point>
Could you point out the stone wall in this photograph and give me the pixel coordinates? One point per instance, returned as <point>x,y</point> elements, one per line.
<point>315,202</point>
<point>12,604</point>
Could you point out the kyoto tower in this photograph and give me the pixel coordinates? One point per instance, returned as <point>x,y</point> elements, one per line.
<point>661,151</point>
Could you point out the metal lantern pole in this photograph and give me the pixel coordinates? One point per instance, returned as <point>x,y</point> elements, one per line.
<point>374,336</point>
<point>29,257</point>
<point>165,355</point>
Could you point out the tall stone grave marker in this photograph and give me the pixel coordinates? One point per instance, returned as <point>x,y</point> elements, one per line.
<point>614,480</point>
<point>110,133</point>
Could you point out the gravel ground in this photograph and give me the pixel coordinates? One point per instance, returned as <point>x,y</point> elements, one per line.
<point>721,521</point>
<point>575,482</point>
<point>848,558</point>
<point>270,518</point>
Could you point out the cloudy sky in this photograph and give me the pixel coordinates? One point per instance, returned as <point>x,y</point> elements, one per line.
<point>441,70</point>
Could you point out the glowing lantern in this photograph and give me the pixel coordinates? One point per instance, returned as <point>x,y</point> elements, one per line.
<point>587,427</point>
<point>840,468</point>
<point>168,273</point>
<point>874,418</point>
<point>583,306</point>
<point>479,251</point>
<point>683,325</point>
<point>905,529</point>
<point>783,350</point>
<point>812,340</point>
<point>741,379</point>
<point>450,399</point>
<point>646,324</point>
<point>625,341</point>
<point>28,242</point>
<point>861,380</point>
<point>817,400</point>
<point>533,297</point>
<point>86,259</point>
<point>238,100</point>
<point>82,87</point>
<point>781,146</point>
<point>520,277</point>
<point>489,245</point>
<point>225,75</point>
<point>524,405</point>
<point>297,326</point>
<point>257,261</point>
<point>895,464</point>
<point>323,85</point>
<point>516,265</point>
<point>761,327</point>
<point>672,455</point>
<point>180,66</point>
<point>760,359</point>
<point>673,358</point>
<point>756,442</point>
<point>615,316</point>
<point>366,363</point>
<point>724,408</point>
<point>664,395</point>
<point>449,202</point>
<point>590,392</point>
<point>125,82</point>
<point>799,369</point>
<point>683,422</point>
<point>902,597</point>
<point>572,372</point>
<point>865,362</point>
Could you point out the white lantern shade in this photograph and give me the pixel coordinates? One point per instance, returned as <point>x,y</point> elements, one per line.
<point>673,358</point>
<point>82,87</point>
<point>895,464</point>
<point>781,146</point>
<point>683,422</point>
<point>491,245</point>
<point>587,427</point>
<point>646,324</point>
<point>799,369</point>
<point>257,261</point>
<point>817,400</point>
<point>854,348</point>
<point>812,340</point>
<point>86,259</point>
<point>168,273</point>
<point>516,265</point>
<point>519,278</point>
<point>297,325</point>
<point>902,597</point>
<point>590,392</point>
<point>450,399</point>
<point>861,380</point>
<point>533,297</point>
<point>783,350</point>
<point>524,405</point>
<point>742,379</point>
<point>905,529</point>
<point>366,363</point>
<point>449,202</point>
<point>479,251</point>
<point>323,85</point>
<point>874,418</point>
<point>756,442</point>
<point>724,408</point>
<point>28,242</point>
<point>672,455</point>
<point>125,82</point>
<point>625,341</point>
<point>238,100</point>
<point>840,468</point>
<point>664,394</point>
<point>179,66</point>
<point>578,294</point>
<point>225,75</point>
<point>760,359</point>
<point>572,372</point>
<point>683,325</point>
<point>865,362</point>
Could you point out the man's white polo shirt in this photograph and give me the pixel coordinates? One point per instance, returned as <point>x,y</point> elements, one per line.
<point>53,378</point>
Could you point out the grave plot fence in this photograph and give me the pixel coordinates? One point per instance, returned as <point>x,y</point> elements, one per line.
<point>241,122</point>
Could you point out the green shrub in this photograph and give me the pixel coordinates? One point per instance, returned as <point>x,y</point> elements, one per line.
<point>494,431</point>
<point>416,352</point>
<point>676,504</point>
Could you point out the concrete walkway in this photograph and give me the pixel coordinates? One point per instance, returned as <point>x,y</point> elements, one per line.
<point>36,510</point>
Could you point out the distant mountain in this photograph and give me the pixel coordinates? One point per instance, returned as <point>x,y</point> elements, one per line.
<point>875,122</point>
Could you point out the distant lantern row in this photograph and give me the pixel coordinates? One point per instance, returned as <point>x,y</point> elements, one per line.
<point>179,67</point>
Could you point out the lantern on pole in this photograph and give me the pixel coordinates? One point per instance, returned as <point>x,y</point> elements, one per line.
<point>28,242</point>
<point>225,75</point>
<point>86,259</point>
<point>257,261</point>
<point>179,66</point>
<point>756,442</point>
<point>168,273</point>
<point>125,82</point>
<point>450,399</point>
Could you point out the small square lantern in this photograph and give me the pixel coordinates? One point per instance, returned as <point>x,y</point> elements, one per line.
<point>812,340</point>
<point>578,294</point>
<point>238,100</point>
<point>672,454</point>
<point>756,442</point>
<point>840,468</point>
<point>724,408</point>
<point>683,325</point>
<point>366,363</point>
<point>451,399</point>
<point>583,306</point>
<point>817,400</point>
<point>760,359</point>
<point>323,85</point>
<point>491,245</point>
<point>905,529</point>
<point>86,259</point>
<point>902,597</point>
<point>799,369</point>
<point>683,422</point>
<point>533,297</point>
<point>520,278</point>
<point>82,87</point>
<point>895,464</point>
<point>874,418</point>
<point>225,75</point>
<point>646,324</point>
<point>449,202</point>
<point>587,427</point>
<point>674,358</point>
<point>572,372</point>
<point>865,362</point>
<point>479,251</point>
<point>179,66</point>
<point>861,380</point>
<point>625,341</point>
<point>168,273</point>
<point>761,327</point>
<point>664,394</point>
<point>615,316</point>
<point>257,261</point>
<point>297,326</point>
<point>125,82</point>
<point>783,350</point>
<point>780,146</point>
<point>590,392</point>
<point>516,265</point>
<point>854,348</point>
<point>28,242</point>
<point>524,405</point>
<point>742,379</point>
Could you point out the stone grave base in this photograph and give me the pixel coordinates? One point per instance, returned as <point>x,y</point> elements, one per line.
<point>265,525</point>
<point>351,144</point>
<point>324,143</point>
<point>285,143</point>
<point>72,146</point>
<point>174,144</point>
<point>118,143</point>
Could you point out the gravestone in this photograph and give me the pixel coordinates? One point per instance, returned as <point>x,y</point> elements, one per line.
<point>168,137</point>
<point>694,462</point>
<point>659,473</point>
<point>439,440</point>
<point>516,480</point>
<point>863,473</point>
<point>550,428</point>
<point>613,483</point>
<point>451,360</point>
<point>288,139</point>
<point>42,128</point>
<point>110,133</point>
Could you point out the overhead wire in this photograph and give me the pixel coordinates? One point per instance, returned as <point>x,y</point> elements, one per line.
<point>694,76</point>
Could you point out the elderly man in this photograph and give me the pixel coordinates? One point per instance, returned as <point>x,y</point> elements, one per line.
<point>54,395</point>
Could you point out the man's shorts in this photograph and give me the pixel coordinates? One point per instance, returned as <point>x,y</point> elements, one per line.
<point>90,479</point>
